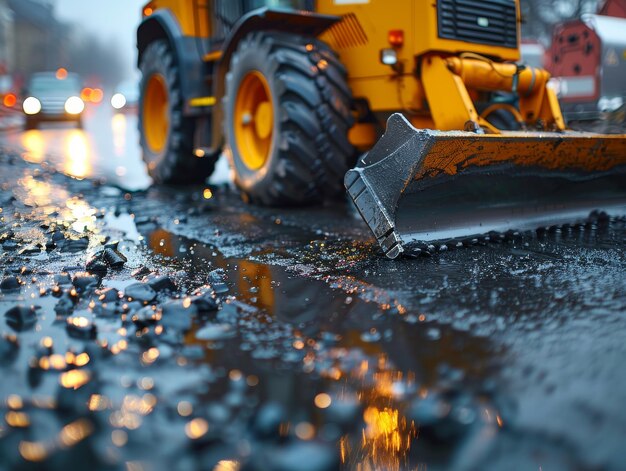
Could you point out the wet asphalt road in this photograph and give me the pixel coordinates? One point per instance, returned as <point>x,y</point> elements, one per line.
<point>281,339</point>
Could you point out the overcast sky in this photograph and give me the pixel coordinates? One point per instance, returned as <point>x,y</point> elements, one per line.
<point>114,20</point>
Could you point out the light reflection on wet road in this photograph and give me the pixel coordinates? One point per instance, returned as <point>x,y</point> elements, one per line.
<point>107,147</point>
<point>493,357</point>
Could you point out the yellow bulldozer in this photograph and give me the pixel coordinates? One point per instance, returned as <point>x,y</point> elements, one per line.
<point>297,94</point>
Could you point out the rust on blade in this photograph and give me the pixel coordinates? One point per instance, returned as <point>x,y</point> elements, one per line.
<point>454,152</point>
<point>425,186</point>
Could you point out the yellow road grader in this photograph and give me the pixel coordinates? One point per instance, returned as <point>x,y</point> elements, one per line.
<point>297,94</point>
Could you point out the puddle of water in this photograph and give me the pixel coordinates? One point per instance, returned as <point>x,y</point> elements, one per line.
<point>301,338</point>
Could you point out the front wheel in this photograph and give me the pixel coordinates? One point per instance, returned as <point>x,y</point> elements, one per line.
<point>287,116</point>
<point>166,136</point>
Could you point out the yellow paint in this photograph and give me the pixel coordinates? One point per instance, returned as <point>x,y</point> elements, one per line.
<point>363,135</point>
<point>254,120</point>
<point>434,82</point>
<point>418,20</point>
<point>450,104</point>
<point>590,153</point>
<point>212,56</point>
<point>192,15</point>
<point>202,101</point>
<point>156,113</point>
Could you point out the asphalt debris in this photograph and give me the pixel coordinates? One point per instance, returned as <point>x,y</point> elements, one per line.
<point>260,339</point>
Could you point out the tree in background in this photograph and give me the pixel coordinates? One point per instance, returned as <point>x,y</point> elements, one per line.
<point>97,61</point>
<point>43,43</point>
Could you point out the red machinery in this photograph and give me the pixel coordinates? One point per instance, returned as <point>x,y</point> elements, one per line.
<point>588,63</point>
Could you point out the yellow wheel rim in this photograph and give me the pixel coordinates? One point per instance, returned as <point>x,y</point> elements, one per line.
<point>156,113</point>
<point>254,120</point>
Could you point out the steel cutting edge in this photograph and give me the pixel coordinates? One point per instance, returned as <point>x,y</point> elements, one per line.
<point>424,186</point>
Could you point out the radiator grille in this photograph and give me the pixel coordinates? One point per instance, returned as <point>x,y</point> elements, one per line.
<point>490,22</point>
<point>346,34</point>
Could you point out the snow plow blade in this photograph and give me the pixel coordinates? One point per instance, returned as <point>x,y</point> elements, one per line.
<point>423,187</point>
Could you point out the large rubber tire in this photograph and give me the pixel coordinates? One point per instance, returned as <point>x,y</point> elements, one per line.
<point>175,161</point>
<point>311,101</point>
<point>504,120</point>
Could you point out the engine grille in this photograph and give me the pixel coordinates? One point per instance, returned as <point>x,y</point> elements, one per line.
<point>490,22</point>
<point>346,34</point>
<point>53,106</point>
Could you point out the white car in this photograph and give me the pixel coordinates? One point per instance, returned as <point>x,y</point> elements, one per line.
<point>51,97</point>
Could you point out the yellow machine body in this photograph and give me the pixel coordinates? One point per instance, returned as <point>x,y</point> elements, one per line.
<point>444,65</point>
<point>435,82</point>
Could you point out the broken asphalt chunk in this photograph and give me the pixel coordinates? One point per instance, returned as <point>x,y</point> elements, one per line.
<point>96,266</point>
<point>145,317</point>
<point>74,245</point>
<point>80,327</point>
<point>206,302</point>
<point>6,236</point>
<point>21,318</point>
<point>140,292</point>
<point>10,283</point>
<point>65,305</point>
<point>162,283</point>
<point>114,258</point>
<point>9,245</point>
<point>217,280</point>
<point>84,282</point>
<point>108,295</point>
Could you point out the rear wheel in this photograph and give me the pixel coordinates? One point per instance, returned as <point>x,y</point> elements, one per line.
<point>166,136</point>
<point>287,116</point>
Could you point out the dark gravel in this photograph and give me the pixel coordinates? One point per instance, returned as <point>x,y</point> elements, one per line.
<point>233,337</point>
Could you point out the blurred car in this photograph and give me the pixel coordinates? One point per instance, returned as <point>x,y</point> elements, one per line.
<point>52,96</point>
<point>125,96</point>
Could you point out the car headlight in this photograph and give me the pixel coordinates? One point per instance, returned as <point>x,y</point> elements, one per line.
<point>74,105</point>
<point>118,101</point>
<point>31,105</point>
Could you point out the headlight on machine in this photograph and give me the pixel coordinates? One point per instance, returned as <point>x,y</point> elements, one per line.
<point>74,105</point>
<point>388,57</point>
<point>31,105</point>
<point>118,101</point>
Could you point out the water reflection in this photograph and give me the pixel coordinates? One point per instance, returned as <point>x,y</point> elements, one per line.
<point>118,126</point>
<point>345,351</point>
<point>77,154</point>
<point>107,148</point>
<point>34,144</point>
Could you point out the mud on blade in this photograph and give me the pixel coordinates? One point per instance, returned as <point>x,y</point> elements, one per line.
<point>426,186</point>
